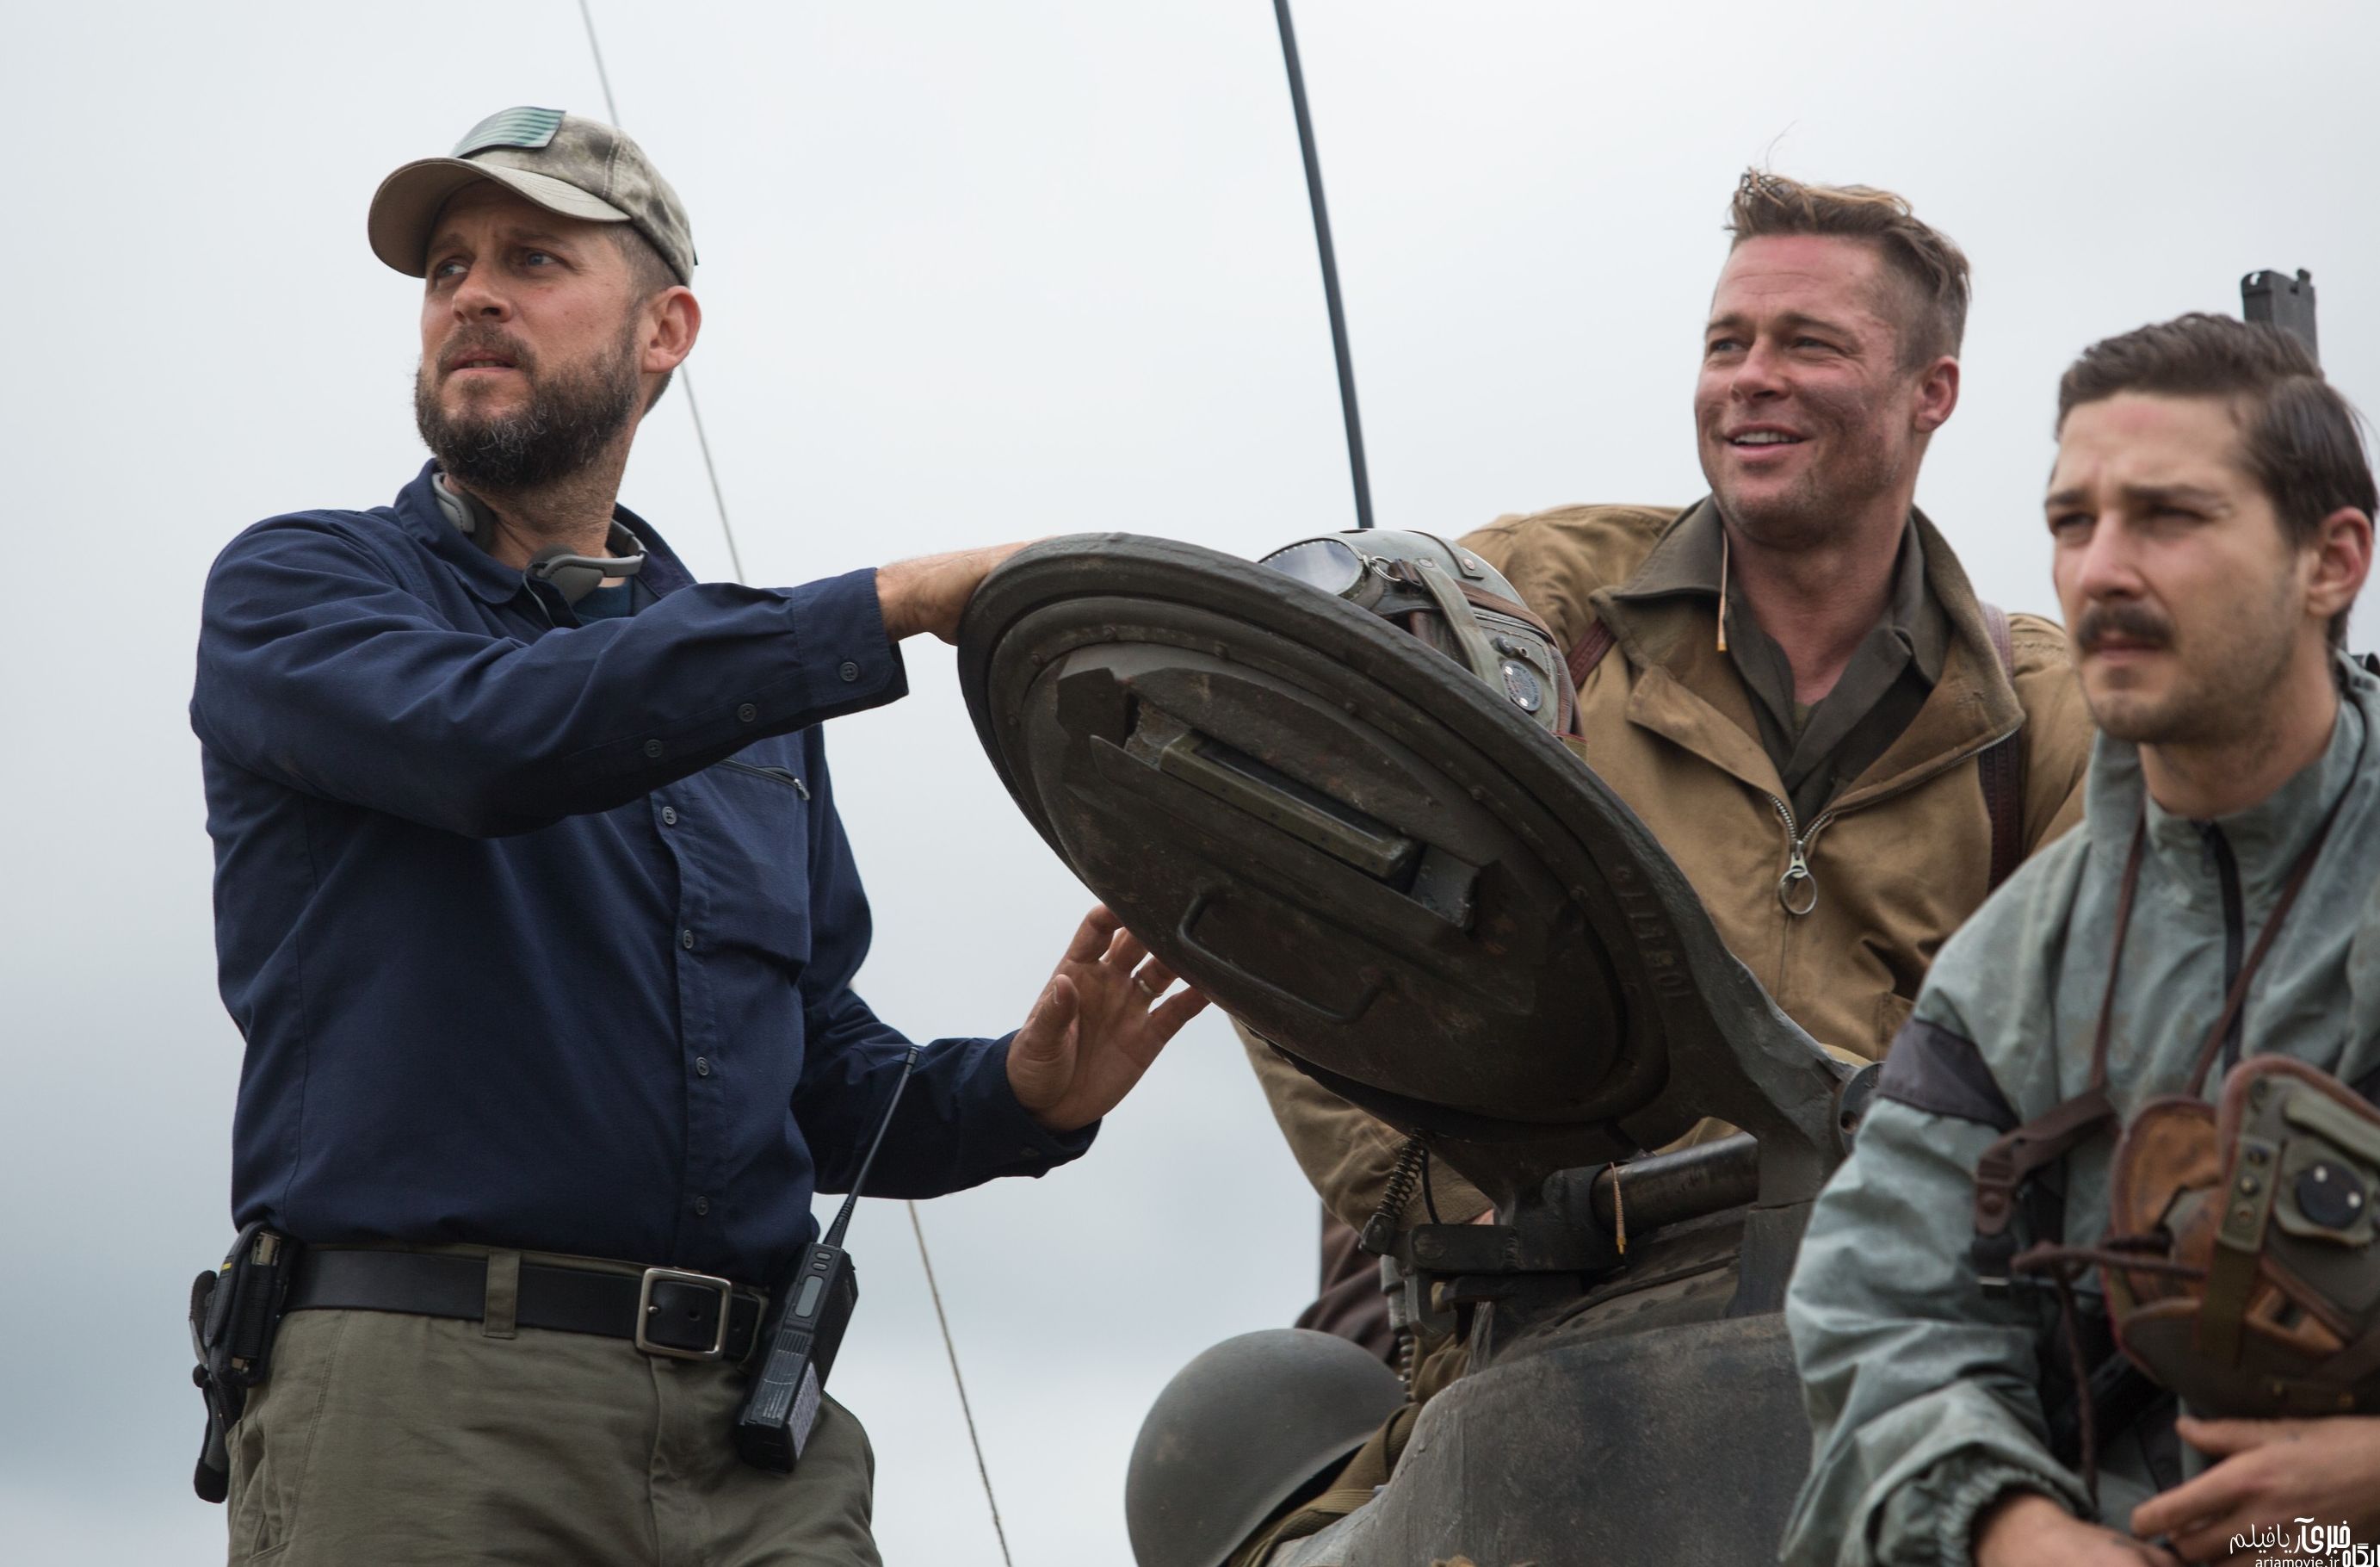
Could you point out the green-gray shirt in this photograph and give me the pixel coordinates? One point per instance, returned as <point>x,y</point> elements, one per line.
<point>1822,746</point>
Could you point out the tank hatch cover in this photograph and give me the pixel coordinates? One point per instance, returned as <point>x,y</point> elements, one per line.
<point>1426,901</point>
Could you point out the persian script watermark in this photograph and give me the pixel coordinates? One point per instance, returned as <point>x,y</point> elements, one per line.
<point>2311,1545</point>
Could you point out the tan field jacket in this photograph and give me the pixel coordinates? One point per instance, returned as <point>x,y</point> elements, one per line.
<point>1897,859</point>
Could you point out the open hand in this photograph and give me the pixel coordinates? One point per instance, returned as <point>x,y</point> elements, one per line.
<point>1097,1026</point>
<point>2272,1473</point>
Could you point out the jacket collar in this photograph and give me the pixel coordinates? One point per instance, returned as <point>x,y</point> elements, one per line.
<point>1689,692</point>
<point>2265,838</point>
<point>490,579</point>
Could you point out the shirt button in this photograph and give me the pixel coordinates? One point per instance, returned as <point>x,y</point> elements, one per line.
<point>686,940</point>
<point>747,712</point>
<point>702,1066</point>
<point>849,670</point>
<point>669,816</point>
<point>703,1205</point>
<point>652,747</point>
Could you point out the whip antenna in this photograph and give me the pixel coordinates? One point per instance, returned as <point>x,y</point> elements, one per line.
<point>685,374</point>
<point>965,1409</point>
<point>736,559</point>
<point>1329,265</point>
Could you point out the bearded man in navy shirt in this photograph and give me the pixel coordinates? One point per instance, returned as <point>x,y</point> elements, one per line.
<point>535,912</point>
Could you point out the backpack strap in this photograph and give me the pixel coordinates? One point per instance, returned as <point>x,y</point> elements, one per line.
<point>2001,768</point>
<point>1588,651</point>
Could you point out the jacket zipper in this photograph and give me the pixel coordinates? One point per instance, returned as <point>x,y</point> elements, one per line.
<point>2235,930</point>
<point>1798,840</point>
<point>779,773</point>
<point>1797,865</point>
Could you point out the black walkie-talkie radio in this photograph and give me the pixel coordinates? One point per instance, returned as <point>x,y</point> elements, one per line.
<point>805,1330</point>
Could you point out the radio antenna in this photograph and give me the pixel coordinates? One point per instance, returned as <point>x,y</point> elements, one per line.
<point>1329,266</point>
<point>684,373</point>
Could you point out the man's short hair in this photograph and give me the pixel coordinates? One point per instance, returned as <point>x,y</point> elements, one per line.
<point>2299,439</point>
<point>648,274</point>
<point>1930,270</point>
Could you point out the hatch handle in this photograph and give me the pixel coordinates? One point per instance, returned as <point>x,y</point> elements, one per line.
<point>1336,828</point>
<point>1206,954</point>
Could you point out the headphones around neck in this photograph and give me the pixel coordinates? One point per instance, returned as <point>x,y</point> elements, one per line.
<point>572,576</point>
<point>576,576</point>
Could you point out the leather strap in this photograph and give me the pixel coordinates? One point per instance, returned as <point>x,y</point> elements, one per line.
<point>1479,598</point>
<point>2299,874</point>
<point>2235,1265</point>
<point>2100,1036</point>
<point>2013,1158</point>
<point>570,1300</point>
<point>2002,767</point>
<point>1588,651</point>
<point>2359,1360</point>
<point>2006,1163</point>
<point>1566,700</point>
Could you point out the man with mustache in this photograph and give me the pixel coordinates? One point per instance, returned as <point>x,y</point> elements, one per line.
<point>1790,680</point>
<point>535,911</point>
<point>2211,510</point>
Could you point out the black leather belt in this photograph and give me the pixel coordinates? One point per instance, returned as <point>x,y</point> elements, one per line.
<point>666,1311</point>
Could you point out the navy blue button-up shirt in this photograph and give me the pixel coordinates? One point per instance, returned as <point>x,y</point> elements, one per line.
<point>542,934</point>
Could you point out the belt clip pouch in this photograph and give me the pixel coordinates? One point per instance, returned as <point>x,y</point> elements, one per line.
<point>234,1313</point>
<point>2263,1204</point>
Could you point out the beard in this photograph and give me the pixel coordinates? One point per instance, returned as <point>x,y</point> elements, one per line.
<point>571,419</point>
<point>2223,676</point>
<point>1820,501</point>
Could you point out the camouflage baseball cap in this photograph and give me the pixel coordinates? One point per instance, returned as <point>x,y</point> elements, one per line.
<point>567,163</point>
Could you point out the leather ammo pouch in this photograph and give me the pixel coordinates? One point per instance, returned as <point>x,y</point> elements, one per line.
<point>235,1310</point>
<point>2240,1268</point>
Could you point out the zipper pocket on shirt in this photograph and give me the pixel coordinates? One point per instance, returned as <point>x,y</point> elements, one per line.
<point>779,773</point>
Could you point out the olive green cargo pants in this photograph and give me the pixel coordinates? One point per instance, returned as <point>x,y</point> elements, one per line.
<point>425,1442</point>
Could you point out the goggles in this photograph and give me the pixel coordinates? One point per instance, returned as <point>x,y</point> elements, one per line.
<point>1452,600</point>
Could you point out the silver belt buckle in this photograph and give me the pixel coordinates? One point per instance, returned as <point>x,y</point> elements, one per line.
<point>646,1310</point>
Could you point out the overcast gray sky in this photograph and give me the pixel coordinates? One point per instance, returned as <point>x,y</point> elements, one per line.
<point>971,271</point>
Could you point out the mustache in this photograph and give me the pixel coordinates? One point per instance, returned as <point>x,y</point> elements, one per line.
<point>2127,619</point>
<point>470,340</point>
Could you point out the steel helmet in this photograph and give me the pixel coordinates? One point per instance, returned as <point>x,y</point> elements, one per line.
<point>1452,600</point>
<point>1240,1431</point>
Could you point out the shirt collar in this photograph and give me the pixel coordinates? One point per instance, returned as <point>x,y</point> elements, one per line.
<point>1687,559</point>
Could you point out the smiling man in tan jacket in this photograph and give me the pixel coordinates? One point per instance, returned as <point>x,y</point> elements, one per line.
<point>1791,681</point>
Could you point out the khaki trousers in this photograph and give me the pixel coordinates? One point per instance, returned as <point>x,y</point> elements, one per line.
<point>385,1439</point>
